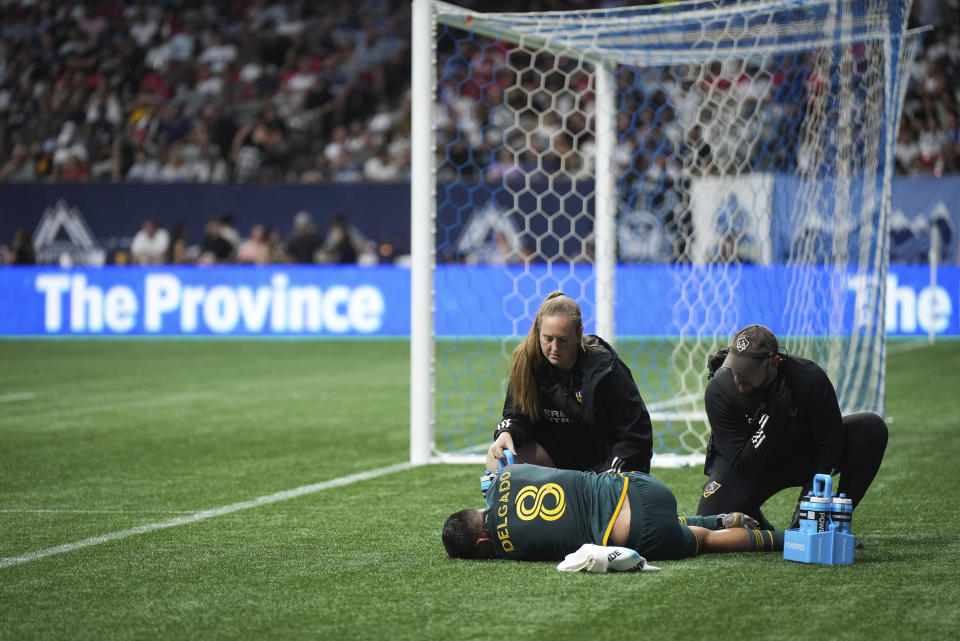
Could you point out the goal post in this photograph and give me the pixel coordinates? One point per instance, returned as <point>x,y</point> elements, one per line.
<point>680,170</point>
<point>422,234</point>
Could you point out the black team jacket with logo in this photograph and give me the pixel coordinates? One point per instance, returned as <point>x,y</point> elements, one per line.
<point>591,418</point>
<point>803,424</point>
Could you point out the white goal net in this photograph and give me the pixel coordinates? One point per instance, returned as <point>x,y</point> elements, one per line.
<point>680,170</point>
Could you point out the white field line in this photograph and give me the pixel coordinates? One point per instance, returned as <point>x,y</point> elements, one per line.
<point>203,515</point>
<point>96,402</point>
<point>17,396</point>
<point>71,511</point>
<point>678,416</point>
<point>902,347</point>
<point>673,402</point>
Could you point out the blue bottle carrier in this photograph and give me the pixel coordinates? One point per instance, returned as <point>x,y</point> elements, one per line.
<point>825,522</point>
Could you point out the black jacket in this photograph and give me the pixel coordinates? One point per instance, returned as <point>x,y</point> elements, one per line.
<point>803,420</point>
<point>591,418</point>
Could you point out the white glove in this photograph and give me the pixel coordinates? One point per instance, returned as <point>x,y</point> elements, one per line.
<point>599,559</point>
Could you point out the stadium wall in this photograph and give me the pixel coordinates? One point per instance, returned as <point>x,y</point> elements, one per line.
<point>113,213</point>
<point>334,301</point>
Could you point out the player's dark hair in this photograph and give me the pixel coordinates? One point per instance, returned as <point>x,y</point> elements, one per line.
<point>460,535</point>
<point>527,359</point>
<point>715,360</point>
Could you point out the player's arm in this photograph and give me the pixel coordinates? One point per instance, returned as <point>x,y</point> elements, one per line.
<point>502,440</point>
<point>510,433</point>
<point>750,444</point>
<point>621,410</point>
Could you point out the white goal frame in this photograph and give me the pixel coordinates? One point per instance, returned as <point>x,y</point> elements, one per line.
<point>424,203</point>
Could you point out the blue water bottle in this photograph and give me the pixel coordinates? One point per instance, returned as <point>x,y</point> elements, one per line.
<point>841,513</point>
<point>808,518</point>
<point>820,511</point>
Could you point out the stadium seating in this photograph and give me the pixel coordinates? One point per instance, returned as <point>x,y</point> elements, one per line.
<point>285,92</point>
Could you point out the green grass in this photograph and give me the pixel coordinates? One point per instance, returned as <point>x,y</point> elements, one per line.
<point>97,437</point>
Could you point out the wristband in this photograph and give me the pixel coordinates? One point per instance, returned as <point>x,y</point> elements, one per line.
<point>503,426</point>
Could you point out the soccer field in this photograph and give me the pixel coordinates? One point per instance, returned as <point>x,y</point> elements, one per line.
<point>251,490</point>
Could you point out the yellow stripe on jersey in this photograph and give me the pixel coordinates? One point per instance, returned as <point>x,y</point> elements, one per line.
<point>682,519</point>
<point>616,512</point>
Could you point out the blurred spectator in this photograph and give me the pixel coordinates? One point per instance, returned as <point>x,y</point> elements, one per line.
<point>504,167</point>
<point>261,146</point>
<point>75,169</point>
<point>215,248</point>
<point>382,121</point>
<point>144,26</point>
<point>275,250</point>
<point>179,251</point>
<point>228,229</point>
<point>20,251</point>
<point>254,250</point>
<point>346,168</point>
<point>174,125</point>
<point>150,244</point>
<point>220,128</point>
<point>20,167</point>
<point>173,170</point>
<point>907,152</point>
<point>304,241</point>
<point>318,172</point>
<point>382,167</point>
<point>69,151</point>
<point>337,144</point>
<point>106,163</point>
<point>144,168</point>
<point>343,243</point>
<point>219,53</point>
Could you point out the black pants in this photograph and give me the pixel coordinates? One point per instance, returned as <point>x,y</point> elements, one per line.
<point>864,442</point>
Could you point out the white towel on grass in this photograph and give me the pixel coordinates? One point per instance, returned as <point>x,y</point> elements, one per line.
<point>604,558</point>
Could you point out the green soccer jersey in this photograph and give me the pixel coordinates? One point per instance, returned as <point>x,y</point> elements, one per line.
<point>539,513</point>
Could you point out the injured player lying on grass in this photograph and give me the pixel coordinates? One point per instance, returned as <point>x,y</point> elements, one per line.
<point>537,514</point>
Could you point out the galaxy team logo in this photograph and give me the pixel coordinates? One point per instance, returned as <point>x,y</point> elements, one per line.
<point>710,488</point>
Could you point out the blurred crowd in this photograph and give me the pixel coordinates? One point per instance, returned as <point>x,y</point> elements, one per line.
<point>210,91</point>
<point>305,242</point>
<point>929,138</point>
<point>285,92</point>
<point>222,243</point>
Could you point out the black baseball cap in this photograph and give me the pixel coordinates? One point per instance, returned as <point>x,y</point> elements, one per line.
<point>750,346</point>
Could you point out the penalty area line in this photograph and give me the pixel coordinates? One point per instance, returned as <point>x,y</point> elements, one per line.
<point>204,514</point>
<point>17,396</point>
